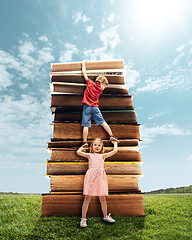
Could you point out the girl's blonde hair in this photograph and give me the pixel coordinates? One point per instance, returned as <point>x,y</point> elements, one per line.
<point>101,141</point>
<point>102,79</point>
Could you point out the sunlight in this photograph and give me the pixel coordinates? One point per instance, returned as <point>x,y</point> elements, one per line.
<point>157,13</point>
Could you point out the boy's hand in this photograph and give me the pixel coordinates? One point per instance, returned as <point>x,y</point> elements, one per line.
<point>84,69</point>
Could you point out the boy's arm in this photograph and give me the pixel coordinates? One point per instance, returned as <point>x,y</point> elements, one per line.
<point>84,70</point>
<point>81,152</point>
<point>111,153</point>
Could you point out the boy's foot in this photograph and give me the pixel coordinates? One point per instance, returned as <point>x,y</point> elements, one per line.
<point>85,145</point>
<point>83,222</point>
<point>109,218</point>
<point>114,139</point>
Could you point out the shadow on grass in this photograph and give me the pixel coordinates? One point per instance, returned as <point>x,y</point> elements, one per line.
<point>68,228</point>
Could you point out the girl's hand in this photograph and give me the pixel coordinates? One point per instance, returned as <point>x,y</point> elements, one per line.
<point>82,152</point>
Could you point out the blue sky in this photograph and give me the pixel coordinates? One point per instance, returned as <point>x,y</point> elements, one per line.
<point>155,40</point>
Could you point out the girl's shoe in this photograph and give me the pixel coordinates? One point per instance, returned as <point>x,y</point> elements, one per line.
<point>114,139</point>
<point>109,218</point>
<point>83,222</point>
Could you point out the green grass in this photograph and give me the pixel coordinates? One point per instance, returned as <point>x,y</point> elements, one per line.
<point>168,217</point>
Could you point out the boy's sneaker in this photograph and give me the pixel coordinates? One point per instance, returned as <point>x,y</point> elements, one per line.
<point>85,145</point>
<point>109,218</point>
<point>114,139</point>
<point>83,222</point>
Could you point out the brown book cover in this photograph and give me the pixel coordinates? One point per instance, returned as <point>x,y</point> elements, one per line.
<point>69,154</point>
<point>74,131</point>
<point>78,88</point>
<point>78,143</point>
<point>112,79</point>
<point>105,100</point>
<point>80,168</point>
<point>93,65</point>
<point>62,183</point>
<point>119,116</point>
<point>71,205</point>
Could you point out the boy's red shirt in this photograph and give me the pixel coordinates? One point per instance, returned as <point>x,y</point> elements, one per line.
<point>92,93</point>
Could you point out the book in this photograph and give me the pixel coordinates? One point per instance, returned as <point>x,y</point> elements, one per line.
<point>105,100</point>
<point>118,116</point>
<point>71,205</point>
<point>80,168</point>
<point>76,143</point>
<point>69,154</point>
<point>112,79</point>
<point>78,88</point>
<point>66,169</point>
<point>74,131</point>
<point>92,65</point>
<point>74,183</point>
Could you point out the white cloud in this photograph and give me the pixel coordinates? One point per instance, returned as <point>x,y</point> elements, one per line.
<point>158,84</point>
<point>111,17</point>
<point>97,54</point>
<point>25,121</point>
<point>89,29</point>
<point>25,62</point>
<point>84,18</point>
<point>148,134</point>
<point>8,60</point>
<point>179,49</point>
<point>110,37</point>
<point>26,48</point>
<point>131,77</point>
<point>190,158</point>
<point>177,74</point>
<point>5,78</point>
<point>79,16</point>
<point>45,56</point>
<point>66,55</point>
<point>176,60</point>
<point>43,38</point>
<point>24,85</point>
<point>157,115</point>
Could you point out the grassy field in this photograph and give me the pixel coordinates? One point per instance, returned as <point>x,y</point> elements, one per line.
<point>168,217</point>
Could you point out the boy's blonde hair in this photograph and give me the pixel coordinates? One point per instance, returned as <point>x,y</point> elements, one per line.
<point>101,141</point>
<point>102,79</point>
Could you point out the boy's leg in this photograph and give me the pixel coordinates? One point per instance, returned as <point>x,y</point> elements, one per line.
<point>98,117</point>
<point>107,128</point>
<point>85,133</point>
<point>85,206</point>
<point>103,205</point>
<point>86,122</point>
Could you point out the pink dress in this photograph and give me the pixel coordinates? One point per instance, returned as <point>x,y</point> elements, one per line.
<point>95,181</point>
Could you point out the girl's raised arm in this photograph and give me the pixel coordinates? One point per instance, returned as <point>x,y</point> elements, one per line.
<point>111,153</point>
<point>81,152</point>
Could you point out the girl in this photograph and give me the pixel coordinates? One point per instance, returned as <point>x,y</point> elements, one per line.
<point>95,181</point>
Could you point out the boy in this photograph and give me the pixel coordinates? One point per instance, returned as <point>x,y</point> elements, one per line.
<point>90,105</point>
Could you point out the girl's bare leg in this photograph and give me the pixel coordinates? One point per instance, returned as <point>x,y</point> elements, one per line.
<point>85,205</point>
<point>103,201</point>
<point>107,128</point>
<point>85,133</point>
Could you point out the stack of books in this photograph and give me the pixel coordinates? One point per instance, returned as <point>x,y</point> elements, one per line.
<point>65,169</point>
